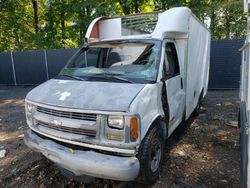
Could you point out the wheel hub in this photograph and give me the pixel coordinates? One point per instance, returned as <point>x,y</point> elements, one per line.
<point>155,156</point>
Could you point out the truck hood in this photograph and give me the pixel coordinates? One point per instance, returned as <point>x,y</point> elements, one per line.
<point>98,96</point>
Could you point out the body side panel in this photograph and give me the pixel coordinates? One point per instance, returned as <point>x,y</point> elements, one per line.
<point>197,64</point>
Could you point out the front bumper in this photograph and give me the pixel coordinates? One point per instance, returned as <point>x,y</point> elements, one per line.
<point>81,162</point>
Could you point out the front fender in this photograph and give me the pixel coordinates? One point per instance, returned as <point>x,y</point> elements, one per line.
<point>148,105</point>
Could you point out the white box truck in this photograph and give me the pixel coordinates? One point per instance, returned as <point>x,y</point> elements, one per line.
<point>110,110</point>
<point>244,115</point>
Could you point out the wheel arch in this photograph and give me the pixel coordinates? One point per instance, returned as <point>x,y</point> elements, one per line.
<point>157,120</point>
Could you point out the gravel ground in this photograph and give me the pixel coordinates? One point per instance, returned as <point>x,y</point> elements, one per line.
<point>203,152</point>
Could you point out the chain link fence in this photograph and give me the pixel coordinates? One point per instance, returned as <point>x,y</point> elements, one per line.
<point>35,67</point>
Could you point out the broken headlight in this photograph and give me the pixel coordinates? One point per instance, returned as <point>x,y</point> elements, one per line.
<point>29,107</point>
<point>29,111</point>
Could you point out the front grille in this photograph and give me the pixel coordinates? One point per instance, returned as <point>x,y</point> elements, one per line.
<point>68,129</point>
<point>72,115</point>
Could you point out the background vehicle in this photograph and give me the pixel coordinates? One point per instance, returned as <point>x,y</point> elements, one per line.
<point>109,111</point>
<point>244,105</point>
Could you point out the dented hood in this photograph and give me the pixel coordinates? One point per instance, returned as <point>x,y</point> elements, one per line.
<point>103,96</point>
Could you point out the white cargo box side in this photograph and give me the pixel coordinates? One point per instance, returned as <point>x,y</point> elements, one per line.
<point>198,61</point>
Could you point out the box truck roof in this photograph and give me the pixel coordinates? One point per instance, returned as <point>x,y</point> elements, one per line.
<point>172,23</point>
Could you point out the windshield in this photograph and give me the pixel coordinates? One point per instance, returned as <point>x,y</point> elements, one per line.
<point>126,61</point>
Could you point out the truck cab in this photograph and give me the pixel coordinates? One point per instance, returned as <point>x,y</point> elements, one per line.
<point>109,111</point>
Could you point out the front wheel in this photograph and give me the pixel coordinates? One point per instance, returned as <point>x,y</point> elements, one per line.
<point>150,156</point>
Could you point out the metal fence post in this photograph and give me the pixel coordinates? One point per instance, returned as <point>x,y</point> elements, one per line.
<point>46,64</point>
<point>13,67</point>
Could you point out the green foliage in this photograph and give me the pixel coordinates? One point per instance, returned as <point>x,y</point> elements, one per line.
<point>37,24</point>
<point>230,20</point>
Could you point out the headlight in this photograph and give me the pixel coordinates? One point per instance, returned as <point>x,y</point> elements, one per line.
<point>29,112</point>
<point>29,107</point>
<point>116,122</point>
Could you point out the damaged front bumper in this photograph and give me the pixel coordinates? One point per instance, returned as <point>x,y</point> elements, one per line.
<point>81,162</point>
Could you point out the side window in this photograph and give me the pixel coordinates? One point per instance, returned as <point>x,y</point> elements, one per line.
<point>86,59</point>
<point>92,57</point>
<point>113,58</point>
<point>171,61</point>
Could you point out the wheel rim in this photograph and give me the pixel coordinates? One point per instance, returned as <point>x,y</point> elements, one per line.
<point>155,156</point>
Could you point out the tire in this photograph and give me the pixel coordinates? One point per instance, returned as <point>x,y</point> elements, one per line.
<point>150,156</point>
<point>196,111</point>
<point>239,125</point>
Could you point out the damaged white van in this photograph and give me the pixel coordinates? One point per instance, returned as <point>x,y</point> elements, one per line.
<point>110,110</point>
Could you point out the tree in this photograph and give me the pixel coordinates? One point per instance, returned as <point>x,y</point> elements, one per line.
<point>227,19</point>
<point>36,24</point>
<point>35,10</point>
<point>135,6</point>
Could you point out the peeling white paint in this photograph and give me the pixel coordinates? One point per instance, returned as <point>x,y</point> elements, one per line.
<point>64,95</point>
<point>62,81</point>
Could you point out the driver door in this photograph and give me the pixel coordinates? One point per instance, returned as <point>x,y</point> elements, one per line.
<point>174,86</point>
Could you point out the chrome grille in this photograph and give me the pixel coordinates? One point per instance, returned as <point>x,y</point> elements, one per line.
<point>72,115</point>
<point>68,129</point>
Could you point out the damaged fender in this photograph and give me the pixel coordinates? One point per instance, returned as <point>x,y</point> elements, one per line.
<point>148,104</point>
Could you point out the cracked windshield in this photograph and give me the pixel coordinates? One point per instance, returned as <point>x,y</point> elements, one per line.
<point>120,61</point>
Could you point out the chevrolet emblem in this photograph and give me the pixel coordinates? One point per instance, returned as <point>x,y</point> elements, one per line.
<point>56,122</point>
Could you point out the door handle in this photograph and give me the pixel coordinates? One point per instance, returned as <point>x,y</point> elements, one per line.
<point>181,83</point>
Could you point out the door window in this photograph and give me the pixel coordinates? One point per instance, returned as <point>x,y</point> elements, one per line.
<point>86,59</point>
<point>171,61</point>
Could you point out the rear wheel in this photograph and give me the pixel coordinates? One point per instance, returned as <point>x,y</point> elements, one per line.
<point>197,109</point>
<point>150,156</point>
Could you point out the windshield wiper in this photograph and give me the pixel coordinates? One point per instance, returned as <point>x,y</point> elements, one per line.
<point>71,76</point>
<point>112,76</point>
<point>122,79</point>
